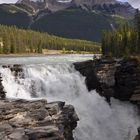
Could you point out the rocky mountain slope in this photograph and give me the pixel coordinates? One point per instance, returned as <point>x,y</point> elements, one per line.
<point>82,19</point>
<point>107,6</point>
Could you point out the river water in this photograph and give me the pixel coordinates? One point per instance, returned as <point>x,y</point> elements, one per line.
<point>55,79</point>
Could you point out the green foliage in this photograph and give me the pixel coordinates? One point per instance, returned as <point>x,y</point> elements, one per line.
<point>124,41</point>
<point>27,41</point>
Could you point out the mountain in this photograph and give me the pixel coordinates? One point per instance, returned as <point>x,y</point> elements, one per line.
<point>112,7</point>
<point>52,5</point>
<point>82,19</point>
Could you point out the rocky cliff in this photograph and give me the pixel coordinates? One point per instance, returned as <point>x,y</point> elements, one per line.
<point>113,78</point>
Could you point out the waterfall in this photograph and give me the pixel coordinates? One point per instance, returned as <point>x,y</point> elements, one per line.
<point>61,82</point>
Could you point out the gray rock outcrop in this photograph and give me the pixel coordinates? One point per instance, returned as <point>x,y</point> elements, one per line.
<point>36,120</point>
<point>113,78</point>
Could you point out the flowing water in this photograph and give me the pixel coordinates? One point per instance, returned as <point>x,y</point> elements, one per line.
<point>55,79</point>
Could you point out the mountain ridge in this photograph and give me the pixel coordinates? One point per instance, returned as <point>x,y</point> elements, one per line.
<point>108,6</point>
<point>77,20</point>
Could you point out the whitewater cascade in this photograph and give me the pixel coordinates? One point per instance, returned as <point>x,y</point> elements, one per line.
<point>61,82</point>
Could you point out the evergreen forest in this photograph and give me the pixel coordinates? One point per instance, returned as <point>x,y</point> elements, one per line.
<point>14,40</point>
<point>123,41</point>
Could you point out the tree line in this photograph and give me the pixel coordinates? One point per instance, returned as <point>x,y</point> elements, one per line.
<point>14,40</point>
<point>123,41</point>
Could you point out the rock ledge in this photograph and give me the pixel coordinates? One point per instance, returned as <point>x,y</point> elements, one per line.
<point>36,120</point>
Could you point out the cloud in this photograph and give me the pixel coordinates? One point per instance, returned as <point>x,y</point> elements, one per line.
<point>135,3</point>
<point>8,1</point>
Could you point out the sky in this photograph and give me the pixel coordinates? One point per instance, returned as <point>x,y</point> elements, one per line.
<point>135,3</point>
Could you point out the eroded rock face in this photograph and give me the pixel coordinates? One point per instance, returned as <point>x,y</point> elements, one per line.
<point>113,78</point>
<point>99,75</point>
<point>36,120</point>
<point>127,78</point>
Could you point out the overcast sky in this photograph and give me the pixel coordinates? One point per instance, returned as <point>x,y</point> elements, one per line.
<point>135,3</point>
<point>8,1</point>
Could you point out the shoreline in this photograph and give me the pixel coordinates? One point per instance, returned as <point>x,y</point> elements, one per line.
<point>38,55</point>
<point>45,53</point>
